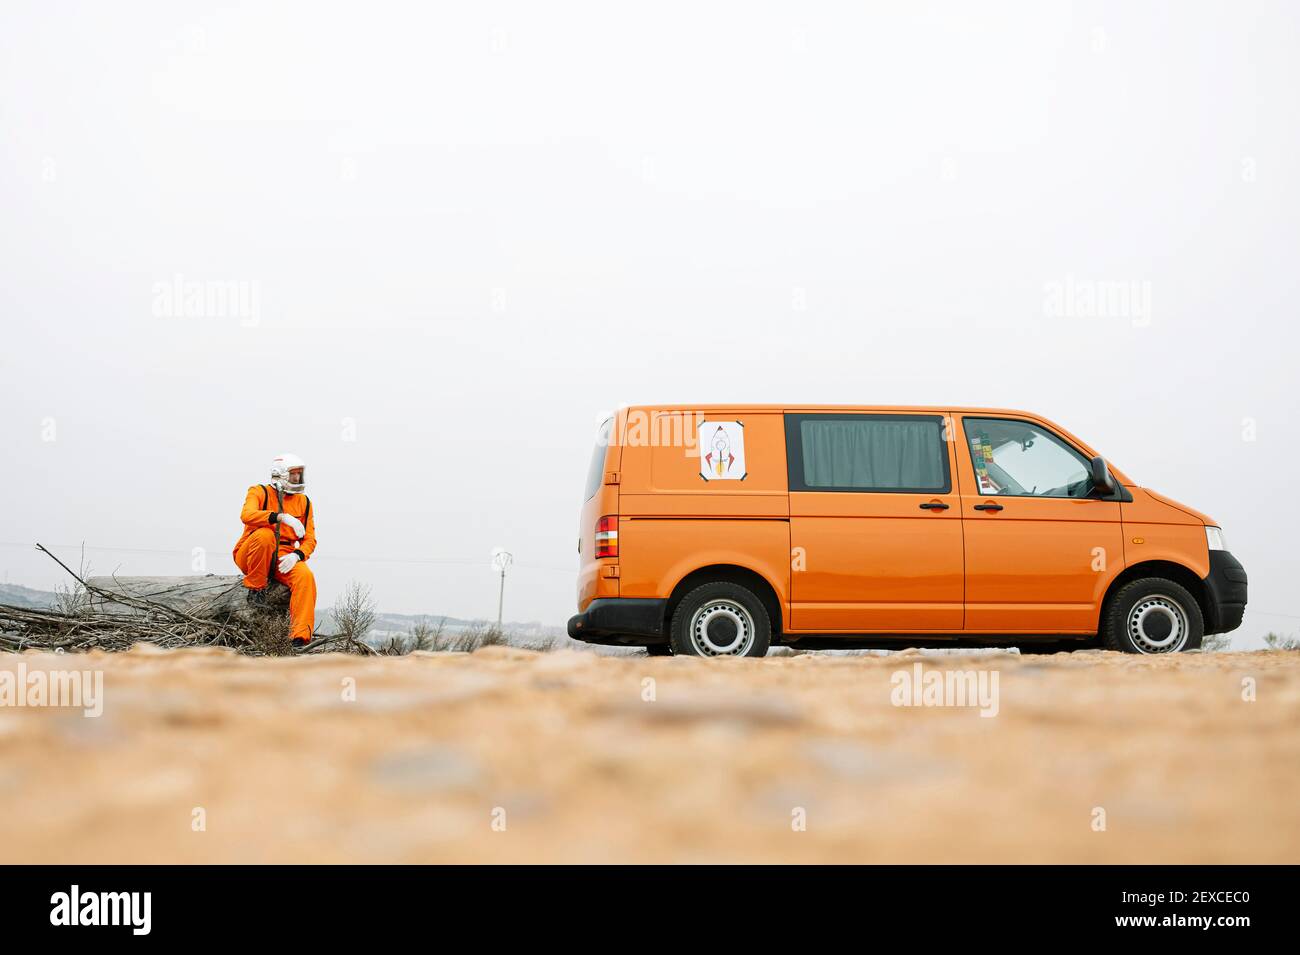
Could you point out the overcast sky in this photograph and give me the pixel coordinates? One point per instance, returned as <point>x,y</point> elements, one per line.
<point>463,230</point>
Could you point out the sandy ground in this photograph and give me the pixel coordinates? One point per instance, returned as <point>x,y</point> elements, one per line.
<point>509,755</point>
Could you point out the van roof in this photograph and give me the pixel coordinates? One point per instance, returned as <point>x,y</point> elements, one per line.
<point>749,406</point>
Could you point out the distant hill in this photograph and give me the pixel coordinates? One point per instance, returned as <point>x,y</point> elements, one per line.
<point>17,596</point>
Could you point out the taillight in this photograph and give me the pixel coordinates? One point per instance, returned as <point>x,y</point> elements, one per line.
<point>607,537</point>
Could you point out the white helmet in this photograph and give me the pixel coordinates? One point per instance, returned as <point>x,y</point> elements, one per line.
<point>289,474</point>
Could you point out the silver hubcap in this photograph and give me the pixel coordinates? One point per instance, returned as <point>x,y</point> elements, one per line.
<point>722,628</point>
<point>1157,625</point>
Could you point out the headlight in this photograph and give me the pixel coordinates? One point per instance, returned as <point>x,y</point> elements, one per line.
<point>1214,537</point>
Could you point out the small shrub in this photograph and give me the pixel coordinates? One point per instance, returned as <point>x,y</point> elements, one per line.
<point>480,633</point>
<point>268,634</point>
<point>1275,641</point>
<point>354,612</point>
<point>397,646</point>
<point>73,599</point>
<point>426,636</point>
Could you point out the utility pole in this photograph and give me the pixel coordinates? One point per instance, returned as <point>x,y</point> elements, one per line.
<point>501,559</point>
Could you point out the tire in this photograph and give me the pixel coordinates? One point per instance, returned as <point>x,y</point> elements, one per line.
<point>1152,615</point>
<point>659,650</point>
<point>720,619</point>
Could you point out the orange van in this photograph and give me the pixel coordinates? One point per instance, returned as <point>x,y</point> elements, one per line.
<point>723,530</point>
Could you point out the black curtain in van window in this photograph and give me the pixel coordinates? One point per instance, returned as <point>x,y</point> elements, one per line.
<point>873,453</point>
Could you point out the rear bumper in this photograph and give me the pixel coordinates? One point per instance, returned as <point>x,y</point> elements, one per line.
<point>1225,591</point>
<point>620,621</point>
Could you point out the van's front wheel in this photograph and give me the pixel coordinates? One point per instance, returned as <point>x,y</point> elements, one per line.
<point>1153,615</point>
<point>721,620</point>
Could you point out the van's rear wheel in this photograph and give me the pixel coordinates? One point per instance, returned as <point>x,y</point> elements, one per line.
<point>721,620</point>
<point>1153,615</point>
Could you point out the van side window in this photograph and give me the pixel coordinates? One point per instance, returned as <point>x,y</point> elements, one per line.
<point>1020,459</point>
<point>865,452</point>
<point>596,469</point>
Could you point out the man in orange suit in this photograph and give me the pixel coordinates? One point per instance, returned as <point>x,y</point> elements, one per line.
<point>279,530</point>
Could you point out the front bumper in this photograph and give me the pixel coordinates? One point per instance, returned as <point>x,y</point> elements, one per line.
<point>1225,592</point>
<point>620,621</point>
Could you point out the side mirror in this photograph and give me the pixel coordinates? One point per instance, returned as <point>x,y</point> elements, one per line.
<point>1101,479</point>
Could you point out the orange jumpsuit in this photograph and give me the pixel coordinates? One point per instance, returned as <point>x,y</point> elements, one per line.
<point>261,538</point>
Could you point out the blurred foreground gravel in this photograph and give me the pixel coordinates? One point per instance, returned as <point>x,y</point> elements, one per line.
<point>507,755</point>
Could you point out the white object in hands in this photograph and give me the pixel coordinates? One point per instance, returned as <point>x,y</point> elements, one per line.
<point>295,525</point>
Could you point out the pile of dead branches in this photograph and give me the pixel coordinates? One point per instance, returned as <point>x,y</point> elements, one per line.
<point>79,626</point>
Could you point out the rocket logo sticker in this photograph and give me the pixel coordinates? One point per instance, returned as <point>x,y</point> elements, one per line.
<point>722,450</point>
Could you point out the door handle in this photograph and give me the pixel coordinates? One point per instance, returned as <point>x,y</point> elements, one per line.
<point>988,507</point>
<point>934,506</point>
